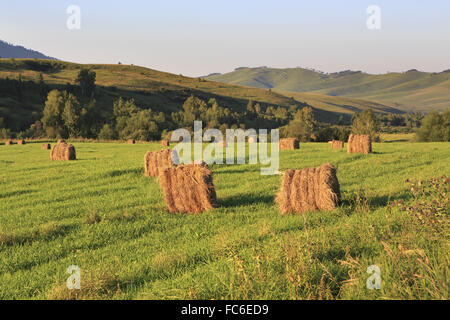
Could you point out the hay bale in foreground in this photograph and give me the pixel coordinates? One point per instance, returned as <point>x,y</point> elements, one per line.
<point>188,188</point>
<point>289,144</point>
<point>21,142</point>
<point>8,142</point>
<point>46,146</point>
<point>309,189</point>
<point>359,144</point>
<point>336,144</point>
<point>155,161</point>
<point>131,141</point>
<point>165,143</point>
<point>63,151</point>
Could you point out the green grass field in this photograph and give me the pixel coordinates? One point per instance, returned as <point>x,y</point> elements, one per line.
<point>101,214</point>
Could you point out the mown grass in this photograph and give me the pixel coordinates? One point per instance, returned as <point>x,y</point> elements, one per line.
<point>102,214</point>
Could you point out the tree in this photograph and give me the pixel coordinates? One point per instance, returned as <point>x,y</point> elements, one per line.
<point>52,118</point>
<point>107,133</point>
<point>86,81</point>
<point>72,115</point>
<point>303,125</point>
<point>435,127</point>
<point>365,122</point>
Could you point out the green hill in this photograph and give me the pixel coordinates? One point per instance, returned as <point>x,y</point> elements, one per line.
<point>409,91</point>
<point>153,89</point>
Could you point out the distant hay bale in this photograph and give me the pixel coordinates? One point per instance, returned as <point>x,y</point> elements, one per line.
<point>289,144</point>
<point>359,144</point>
<point>131,141</point>
<point>336,144</point>
<point>8,142</point>
<point>21,142</point>
<point>155,161</point>
<point>46,146</point>
<point>309,189</point>
<point>61,141</point>
<point>63,151</point>
<point>188,188</point>
<point>165,143</point>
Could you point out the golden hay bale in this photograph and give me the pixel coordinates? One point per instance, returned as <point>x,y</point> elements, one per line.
<point>336,144</point>
<point>21,142</point>
<point>8,142</point>
<point>165,143</point>
<point>309,189</point>
<point>289,144</point>
<point>188,188</point>
<point>46,146</point>
<point>155,161</point>
<point>63,151</point>
<point>359,144</point>
<point>131,141</point>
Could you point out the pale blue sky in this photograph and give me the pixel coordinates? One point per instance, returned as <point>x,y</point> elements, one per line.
<point>197,37</point>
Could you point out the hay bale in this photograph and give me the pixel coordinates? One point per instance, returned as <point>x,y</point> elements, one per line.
<point>46,146</point>
<point>188,189</point>
<point>359,144</point>
<point>336,144</point>
<point>155,161</point>
<point>131,141</point>
<point>63,151</point>
<point>289,144</point>
<point>165,143</point>
<point>8,142</point>
<point>21,142</point>
<point>252,140</point>
<point>61,141</point>
<point>309,189</point>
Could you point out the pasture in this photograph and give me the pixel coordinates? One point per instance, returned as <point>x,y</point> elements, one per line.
<point>102,214</point>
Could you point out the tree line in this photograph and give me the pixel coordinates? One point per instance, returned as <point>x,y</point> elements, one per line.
<point>70,115</point>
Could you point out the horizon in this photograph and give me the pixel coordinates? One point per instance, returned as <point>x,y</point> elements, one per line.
<point>201,38</point>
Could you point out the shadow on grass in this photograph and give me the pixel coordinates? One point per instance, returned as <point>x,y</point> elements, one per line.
<point>245,200</point>
<point>15,193</point>
<point>116,173</point>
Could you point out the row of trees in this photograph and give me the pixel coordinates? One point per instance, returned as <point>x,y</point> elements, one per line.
<point>72,112</point>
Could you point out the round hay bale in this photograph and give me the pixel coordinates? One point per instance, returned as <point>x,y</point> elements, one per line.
<point>309,189</point>
<point>165,143</point>
<point>46,146</point>
<point>131,141</point>
<point>289,144</point>
<point>8,142</point>
<point>63,151</point>
<point>21,142</point>
<point>188,188</point>
<point>156,161</point>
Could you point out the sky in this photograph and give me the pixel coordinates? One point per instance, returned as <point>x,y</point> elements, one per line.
<point>199,37</point>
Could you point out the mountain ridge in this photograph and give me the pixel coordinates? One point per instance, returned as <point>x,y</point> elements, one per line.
<point>411,90</point>
<point>9,50</point>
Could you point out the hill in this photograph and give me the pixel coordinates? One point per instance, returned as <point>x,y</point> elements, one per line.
<point>409,91</point>
<point>160,91</point>
<point>8,50</point>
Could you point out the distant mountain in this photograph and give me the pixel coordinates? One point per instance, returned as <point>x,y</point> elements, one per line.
<point>8,50</point>
<point>412,90</point>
